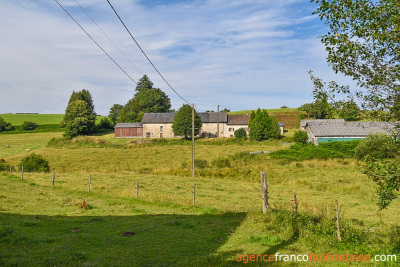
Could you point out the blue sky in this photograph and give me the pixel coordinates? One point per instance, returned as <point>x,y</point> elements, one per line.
<point>239,54</point>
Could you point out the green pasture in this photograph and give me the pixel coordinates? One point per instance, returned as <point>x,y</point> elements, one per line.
<point>64,225</point>
<point>39,119</point>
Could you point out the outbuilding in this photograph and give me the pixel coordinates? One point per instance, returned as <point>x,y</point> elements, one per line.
<point>129,130</point>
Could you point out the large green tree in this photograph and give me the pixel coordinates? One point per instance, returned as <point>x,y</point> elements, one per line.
<point>146,100</point>
<point>182,124</point>
<point>363,43</point>
<point>262,126</point>
<point>114,112</point>
<point>79,117</point>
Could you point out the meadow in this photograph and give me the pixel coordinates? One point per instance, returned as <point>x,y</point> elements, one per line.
<point>64,225</point>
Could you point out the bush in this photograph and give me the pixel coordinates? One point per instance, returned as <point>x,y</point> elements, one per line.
<point>105,123</point>
<point>5,126</point>
<point>34,163</point>
<point>201,163</point>
<point>300,137</point>
<point>221,162</point>
<point>29,125</point>
<point>240,133</point>
<point>306,153</point>
<point>346,147</point>
<point>376,146</point>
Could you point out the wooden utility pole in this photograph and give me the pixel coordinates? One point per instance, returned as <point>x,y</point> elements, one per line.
<point>53,178</point>
<point>338,221</point>
<point>137,188</point>
<point>90,178</point>
<point>194,195</point>
<point>218,122</point>
<point>264,191</point>
<point>193,140</point>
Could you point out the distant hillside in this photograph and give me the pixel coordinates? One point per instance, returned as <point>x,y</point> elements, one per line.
<point>289,116</point>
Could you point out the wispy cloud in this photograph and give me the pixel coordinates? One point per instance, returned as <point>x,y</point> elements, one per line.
<point>239,54</point>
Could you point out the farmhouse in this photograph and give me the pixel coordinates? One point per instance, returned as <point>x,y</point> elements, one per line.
<point>334,130</point>
<point>159,125</point>
<point>303,123</point>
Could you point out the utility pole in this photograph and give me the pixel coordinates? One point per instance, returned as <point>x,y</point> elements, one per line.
<point>218,123</point>
<point>193,140</point>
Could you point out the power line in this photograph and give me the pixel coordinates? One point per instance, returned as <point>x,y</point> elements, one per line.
<point>96,43</point>
<point>145,53</point>
<point>108,37</point>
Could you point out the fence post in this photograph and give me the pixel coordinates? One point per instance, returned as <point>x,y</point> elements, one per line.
<point>10,170</point>
<point>295,203</point>
<point>264,191</point>
<point>22,172</point>
<point>338,221</point>
<point>137,188</point>
<point>90,178</point>
<point>194,195</point>
<point>53,178</point>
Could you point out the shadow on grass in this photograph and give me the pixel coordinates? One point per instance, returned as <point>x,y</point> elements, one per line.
<point>142,240</point>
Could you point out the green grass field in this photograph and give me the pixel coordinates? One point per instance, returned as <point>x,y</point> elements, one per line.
<point>39,119</point>
<point>64,225</point>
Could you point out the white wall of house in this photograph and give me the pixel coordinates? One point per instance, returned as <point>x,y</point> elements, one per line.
<point>158,130</point>
<point>230,129</point>
<point>210,129</point>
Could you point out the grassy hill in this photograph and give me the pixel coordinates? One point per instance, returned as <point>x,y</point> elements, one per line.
<point>66,225</point>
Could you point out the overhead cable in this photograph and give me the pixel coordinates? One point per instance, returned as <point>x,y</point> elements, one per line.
<point>116,13</point>
<point>98,26</point>
<point>97,43</point>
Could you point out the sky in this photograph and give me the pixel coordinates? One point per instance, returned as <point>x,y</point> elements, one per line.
<point>239,54</point>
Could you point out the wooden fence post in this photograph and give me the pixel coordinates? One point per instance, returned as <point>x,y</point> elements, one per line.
<point>90,178</point>
<point>264,191</point>
<point>10,170</point>
<point>194,195</point>
<point>137,188</point>
<point>22,172</point>
<point>295,203</point>
<point>338,221</point>
<point>53,178</point>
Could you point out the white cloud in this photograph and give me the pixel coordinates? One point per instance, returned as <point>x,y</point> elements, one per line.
<point>238,53</point>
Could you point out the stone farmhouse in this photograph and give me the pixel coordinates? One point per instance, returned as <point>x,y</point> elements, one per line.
<point>159,125</point>
<point>338,130</point>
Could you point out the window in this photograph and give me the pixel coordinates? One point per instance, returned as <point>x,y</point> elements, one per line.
<point>148,135</point>
<point>231,129</point>
<point>161,129</point>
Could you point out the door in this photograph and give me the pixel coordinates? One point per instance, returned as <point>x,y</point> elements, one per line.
<point>161,135</point>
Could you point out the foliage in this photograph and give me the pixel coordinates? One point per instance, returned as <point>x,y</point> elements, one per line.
<point>201,163</point>
<point>363,43</point>
<point>240,133</point>
<point>114,112</point>
<point>348,148</point>
<point>262,126</point>
<point>300,137</point>
<point>378,146</point>
<point>221,162</point>
<point>79,118</point>
<point>349,110</point>
<point>34,163</point>
<point>105,123</point>
<point>306,153</point>
<point>284,106</point>
<point>29,125</point>
<point>182,124</point>
<point>386,174</point>
<point>5,126</point>
<point>146,100</point>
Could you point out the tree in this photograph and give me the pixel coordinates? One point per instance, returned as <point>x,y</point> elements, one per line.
<point>182,124</point>
<point>363,43</point>
<point>349,110</point>
<point>79,116</point>
<point>146,99</point>
<point>114,112</point>
<point>262,126</point>
<point>300,137</point>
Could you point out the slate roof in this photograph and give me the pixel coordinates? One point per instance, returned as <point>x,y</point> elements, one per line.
<point>303,123</point>
<point>158,117</point>
<point>281,124</point>
<point>129,125</point>
<point>206,117</point>
<point>238,119</point>
<point>342,129</point>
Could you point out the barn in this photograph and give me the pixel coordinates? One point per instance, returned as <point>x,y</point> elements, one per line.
<point>129,130</point>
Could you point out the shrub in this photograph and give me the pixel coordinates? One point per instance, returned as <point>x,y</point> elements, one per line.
<point>306,153</point>
<point>346,147</point>
<point>377,146</point>
<point>5,126</point>
<point>34,163</point>
<point>105,123</point>
<point>300,137</point>
<point>29,125</point>
<point>201,163</point>
<point>221,162</point>
<point>240,133</point>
